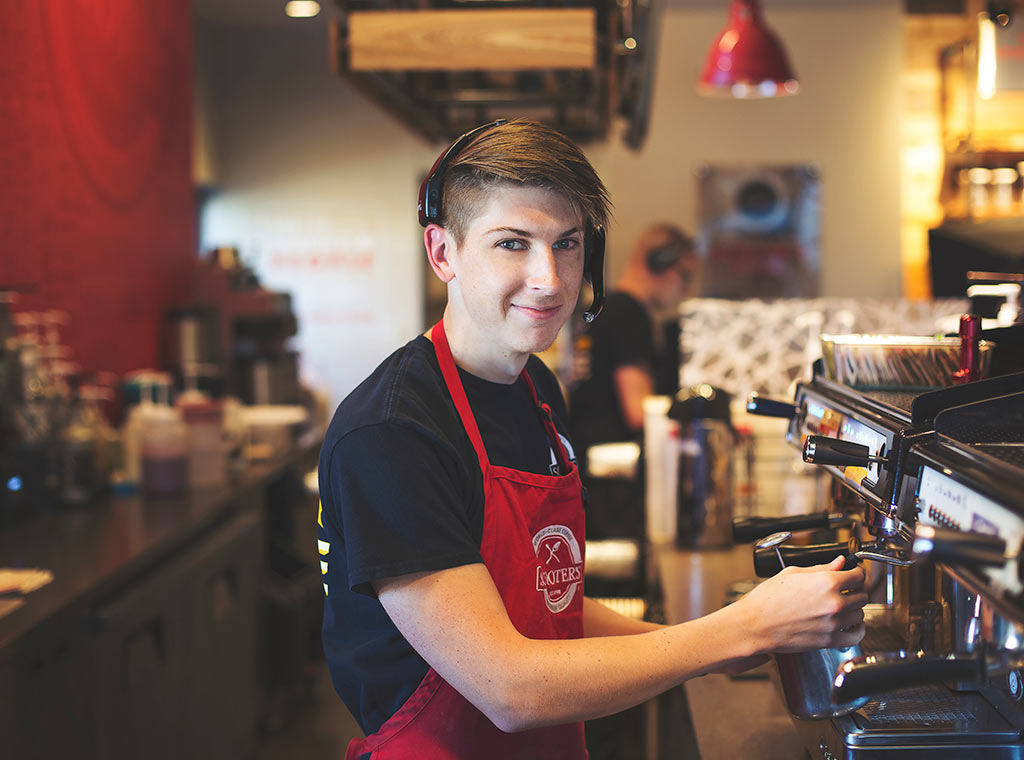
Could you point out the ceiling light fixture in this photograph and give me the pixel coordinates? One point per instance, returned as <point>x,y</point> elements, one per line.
<point>747,60</point>
<point>301,8</point>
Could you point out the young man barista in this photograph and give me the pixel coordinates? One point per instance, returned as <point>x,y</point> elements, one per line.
<point>451,528</point>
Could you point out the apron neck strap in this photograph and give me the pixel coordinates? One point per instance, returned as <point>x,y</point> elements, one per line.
<point>451,379</point>
<point>548,420</point>
<point>458,393</point>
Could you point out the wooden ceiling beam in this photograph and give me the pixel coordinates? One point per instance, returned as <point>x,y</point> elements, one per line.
<point>512,39</point>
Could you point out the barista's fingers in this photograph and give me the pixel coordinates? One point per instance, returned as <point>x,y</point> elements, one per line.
<point>851,580</point>
<point>847,620</point>
<point>835,566</point>
<point>850,637</point>
<point>854,600</point>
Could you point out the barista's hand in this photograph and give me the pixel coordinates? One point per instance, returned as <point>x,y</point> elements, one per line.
<point>805,608</point>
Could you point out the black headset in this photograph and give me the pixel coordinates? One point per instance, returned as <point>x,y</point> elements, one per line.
<point>428,208</point>
<point>664,257</point>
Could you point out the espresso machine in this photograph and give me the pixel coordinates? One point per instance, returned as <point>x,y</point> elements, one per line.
<point>930,486</point>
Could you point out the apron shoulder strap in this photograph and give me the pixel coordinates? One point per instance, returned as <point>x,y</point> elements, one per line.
<point>454,383</point>
<point>549,423</point>
<point>458,393</point>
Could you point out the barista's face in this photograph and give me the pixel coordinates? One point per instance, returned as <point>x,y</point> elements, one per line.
<point>514,280</point>
<point>682,278</point>
<point>675,284</point>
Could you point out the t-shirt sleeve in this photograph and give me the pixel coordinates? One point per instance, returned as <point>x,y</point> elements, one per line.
<point>628,338</point>
<point>401,503</point>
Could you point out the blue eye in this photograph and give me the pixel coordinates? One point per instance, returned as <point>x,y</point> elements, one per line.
<point>511,245</point>
<point>567,244</point>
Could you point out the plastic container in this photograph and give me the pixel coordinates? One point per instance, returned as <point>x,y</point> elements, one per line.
<point>165,445</point>
<point>207,456</point>
<point>660,457</point>
<point>131,440</point>
<point>271,429</point>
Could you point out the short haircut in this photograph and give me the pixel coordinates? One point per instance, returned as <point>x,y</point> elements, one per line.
<point>521,153</point>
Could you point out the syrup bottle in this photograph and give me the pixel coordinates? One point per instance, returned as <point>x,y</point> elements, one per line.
<point>970,351</point>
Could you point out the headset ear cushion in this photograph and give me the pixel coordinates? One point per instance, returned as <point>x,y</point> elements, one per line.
<point>663,258</point>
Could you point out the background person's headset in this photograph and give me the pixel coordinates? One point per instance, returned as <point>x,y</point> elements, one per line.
<point>663,257</point>
<point>428,208</point>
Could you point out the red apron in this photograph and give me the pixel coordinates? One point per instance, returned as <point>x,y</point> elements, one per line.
<point>533,547</point>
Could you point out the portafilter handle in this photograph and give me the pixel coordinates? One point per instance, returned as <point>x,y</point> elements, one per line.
<point>769,407</point>
<point>958,547</point>
<point>769,560</point>
<point>749,529</point>
<point>878,673</point>
<point>820,449</point>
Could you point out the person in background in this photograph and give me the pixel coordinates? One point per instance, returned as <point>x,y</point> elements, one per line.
<point>451,527</point>
<point>630,353</point>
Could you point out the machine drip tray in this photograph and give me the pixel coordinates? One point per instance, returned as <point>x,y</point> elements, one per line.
<point>928,714</point>
<point>920,723</point>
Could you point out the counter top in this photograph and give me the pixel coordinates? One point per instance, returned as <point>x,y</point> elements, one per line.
<point>93,550</point>
<point>732,717</point>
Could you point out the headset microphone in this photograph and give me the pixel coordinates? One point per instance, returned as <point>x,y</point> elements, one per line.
<point>593,270</point>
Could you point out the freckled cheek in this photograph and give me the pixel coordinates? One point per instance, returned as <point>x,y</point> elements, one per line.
<point>572,274</point>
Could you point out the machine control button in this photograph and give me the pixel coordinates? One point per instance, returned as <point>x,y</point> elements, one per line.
<point>1015,683</point>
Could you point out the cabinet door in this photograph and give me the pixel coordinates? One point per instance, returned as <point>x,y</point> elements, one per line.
<point>220,678</point>
<point>13,742</point>
<point>140,661</point>
<point>46,694</point>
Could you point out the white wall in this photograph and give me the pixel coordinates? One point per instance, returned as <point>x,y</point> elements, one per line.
<point>847,57</point>
<point>317,184</point>
<point>317,188</point>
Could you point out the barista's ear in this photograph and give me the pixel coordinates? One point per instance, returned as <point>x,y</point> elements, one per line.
<point>439,245</point>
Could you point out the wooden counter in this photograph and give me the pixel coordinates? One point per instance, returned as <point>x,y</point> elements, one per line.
<point>732,718</point>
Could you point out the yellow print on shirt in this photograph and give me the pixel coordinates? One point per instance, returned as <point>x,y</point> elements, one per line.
<point>323,547</point>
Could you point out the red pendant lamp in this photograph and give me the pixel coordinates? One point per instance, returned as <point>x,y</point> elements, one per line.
<point>747,60</point>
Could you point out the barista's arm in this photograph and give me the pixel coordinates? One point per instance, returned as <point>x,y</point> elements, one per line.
<point>633,383</point>
<point>599,620</point>
<point>456,620</point>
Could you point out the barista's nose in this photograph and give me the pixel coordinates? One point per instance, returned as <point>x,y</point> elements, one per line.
<point>543,270</point>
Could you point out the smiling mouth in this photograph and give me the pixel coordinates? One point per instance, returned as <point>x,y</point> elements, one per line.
<point>538,312</point>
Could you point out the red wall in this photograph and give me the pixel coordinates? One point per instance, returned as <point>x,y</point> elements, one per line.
<point>97,208</point>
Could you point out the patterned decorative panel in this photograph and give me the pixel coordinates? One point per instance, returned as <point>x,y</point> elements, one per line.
<point>764,346</point>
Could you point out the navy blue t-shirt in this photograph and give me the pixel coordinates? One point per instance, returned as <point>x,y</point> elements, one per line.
<point>401,492</point>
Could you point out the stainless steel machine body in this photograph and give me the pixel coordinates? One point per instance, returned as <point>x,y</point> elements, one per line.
<point>942,658</point>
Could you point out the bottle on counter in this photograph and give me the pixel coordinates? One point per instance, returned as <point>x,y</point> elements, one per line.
<point>79,467</point>
<point>131,436</point>
<point>970,351</point>
<point>207,453</point>
<point>165,441</point>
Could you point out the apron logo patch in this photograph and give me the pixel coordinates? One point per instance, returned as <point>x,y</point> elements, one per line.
<point>559,565</point>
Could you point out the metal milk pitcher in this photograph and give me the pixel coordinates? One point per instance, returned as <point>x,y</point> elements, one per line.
<point>704,484</point>
<point>806,677</point>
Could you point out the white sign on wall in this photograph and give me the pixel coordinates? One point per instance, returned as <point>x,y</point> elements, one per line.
<point>355,286</point>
